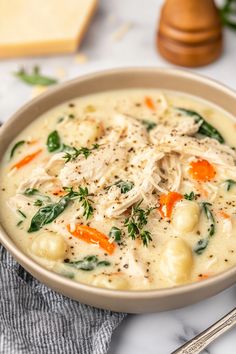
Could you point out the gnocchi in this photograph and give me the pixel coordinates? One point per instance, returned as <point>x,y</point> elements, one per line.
<point>50,246</point>
<point>176,261</point>
<point>185,216</point>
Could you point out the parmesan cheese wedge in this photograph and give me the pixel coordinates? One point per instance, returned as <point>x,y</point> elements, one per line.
<point>36,27</point>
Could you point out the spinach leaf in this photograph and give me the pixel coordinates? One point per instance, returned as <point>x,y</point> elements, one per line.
<point>149,125</point>
<point>31,191</point>
<point>35,78</point>
<point>115,234</point>
<point>38,202</point>
<point>18,144</point>
<point>229,184</point>
<point>203,243</point>
<point>88,263</point>
<point>53,141</point>
<point>125,186</point>
<point>210,217</point>
<point>205,128</point>
<point>48,213</point>
<point>35,192</point>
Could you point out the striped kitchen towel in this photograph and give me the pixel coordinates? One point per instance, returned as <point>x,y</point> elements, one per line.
<point>37,320</point>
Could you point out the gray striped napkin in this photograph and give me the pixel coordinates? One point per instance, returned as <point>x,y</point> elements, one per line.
<point>37,320</point>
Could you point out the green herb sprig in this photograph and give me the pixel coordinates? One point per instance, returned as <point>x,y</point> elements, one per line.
<point>70,156</point>
<point>136,222</point>
<point>35,77</point>
<point>46,214</point>
<point>83,197</point>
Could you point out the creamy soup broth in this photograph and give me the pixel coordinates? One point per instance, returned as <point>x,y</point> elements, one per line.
<point>125,190</point>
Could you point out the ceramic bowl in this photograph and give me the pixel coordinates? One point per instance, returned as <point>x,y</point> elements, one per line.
<point>167,79</point>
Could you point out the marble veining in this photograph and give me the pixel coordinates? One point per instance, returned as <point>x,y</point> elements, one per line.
<point>159,333</point>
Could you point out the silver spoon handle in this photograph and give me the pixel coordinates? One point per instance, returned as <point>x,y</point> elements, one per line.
<point>202,340</point>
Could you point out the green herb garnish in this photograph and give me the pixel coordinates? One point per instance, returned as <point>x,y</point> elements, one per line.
<point>149,125</point>
<point>190,196</point>
<point>35,78</point>
<point>88,263</point>
<point>205,128</point>
<point>70,156</point>
<point>125,186</point>
<point>115,234</point>
<point>16,146</point>
<point>229,184</point>
<point>53,141</point>
<point>136,222</point>
<point>83,196</point>
<point>31,191</point>
<point>35,192</point>
<point>46,214</point>
<point>203,243</point>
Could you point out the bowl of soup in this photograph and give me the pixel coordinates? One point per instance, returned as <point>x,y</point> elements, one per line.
<point>118,189</point>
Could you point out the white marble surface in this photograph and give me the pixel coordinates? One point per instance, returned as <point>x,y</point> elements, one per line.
<point>153,333</point>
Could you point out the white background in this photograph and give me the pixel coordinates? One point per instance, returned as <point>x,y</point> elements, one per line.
<point>158,333</point>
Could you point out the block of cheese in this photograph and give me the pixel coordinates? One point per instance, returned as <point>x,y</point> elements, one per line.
<point>42,27</point>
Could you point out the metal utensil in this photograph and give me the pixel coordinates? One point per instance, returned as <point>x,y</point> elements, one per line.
<point>202,340</point>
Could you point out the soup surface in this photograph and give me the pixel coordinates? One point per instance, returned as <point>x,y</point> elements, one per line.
<point>129,189</point>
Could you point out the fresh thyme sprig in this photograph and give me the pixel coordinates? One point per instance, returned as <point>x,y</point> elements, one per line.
<point>70,156</point>
<point>136,222</point>
<point>83,197</point>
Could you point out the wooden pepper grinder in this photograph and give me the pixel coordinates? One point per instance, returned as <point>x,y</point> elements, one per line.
<point>190,32</point>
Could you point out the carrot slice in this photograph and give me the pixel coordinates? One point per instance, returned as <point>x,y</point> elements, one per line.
<point>167,203</point>
<point>202,170</point>
<point>149,103</point>
<point>90,235</point>
<point>26,159</point>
